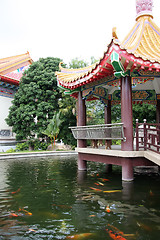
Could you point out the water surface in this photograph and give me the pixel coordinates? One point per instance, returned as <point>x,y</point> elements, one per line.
<point>47,198</point>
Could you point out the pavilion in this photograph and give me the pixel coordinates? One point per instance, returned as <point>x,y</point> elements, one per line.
<point>128,73</point>
<point>11,70</point>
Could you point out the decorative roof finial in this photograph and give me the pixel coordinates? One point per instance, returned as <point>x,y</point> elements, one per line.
<point>144,8</point>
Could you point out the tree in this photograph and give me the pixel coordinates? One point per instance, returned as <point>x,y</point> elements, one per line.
<point>67,106</point>
<point>144,111</point>
<point>36,100</point>
<point>77,63</point>
<point>53,128</point>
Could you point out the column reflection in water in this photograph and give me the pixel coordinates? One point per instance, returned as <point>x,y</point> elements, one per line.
<point>128,190</point>
<point>81,176</point>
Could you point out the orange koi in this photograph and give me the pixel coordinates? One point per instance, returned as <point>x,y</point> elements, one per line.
<point>112,191</point>
<point>104,179</point>
<point>92,215</point>
<point>96,184</point>
<point>116,229</point>
<point>32,230</point>
<point>18,190</point>
<point>95,189</point>
<point>79,236</point>
<point>108,209</point>
<point>151,193</point>
<point>26,212</point>
<point>115,236</point>
<point>13,215</point>
<point>144,226</point>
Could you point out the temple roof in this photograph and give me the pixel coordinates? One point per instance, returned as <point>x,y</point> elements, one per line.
<point>140,50</point>
<point>144,40</point>
<point>12,68</point>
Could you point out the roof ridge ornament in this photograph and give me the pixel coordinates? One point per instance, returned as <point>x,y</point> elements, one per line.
<point>144,8</point>
<point>114,33</point>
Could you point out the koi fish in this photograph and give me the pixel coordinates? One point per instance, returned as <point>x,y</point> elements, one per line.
<point>32,230</point>
<point>151,193</point>
<point>100,183</point>
<point>26,212</point>
<point>95,189</point>
<point>86,197</point>
<point>18,190</point>
<point>92,215</point>
<point>96,184</point>
<point>112,191</point>
<point>104,179</point>
<point>108,209</point>
<point>13,215</point>
<point>115,235</point>
<point>144,226</point>
<point>79,236</point>
<point>116,229</point>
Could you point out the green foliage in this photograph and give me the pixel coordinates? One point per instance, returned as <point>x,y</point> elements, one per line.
<point>67,106</point>
<point>22,146</point>
<point>53,127</point>
<point>116,113</point>
<point>144,111</point>
<point>95,112</point>
<point>93,60</point>
<point>11,150</point>
<point>37,145</point>
<point>36,100</point>
<point>77,63</point>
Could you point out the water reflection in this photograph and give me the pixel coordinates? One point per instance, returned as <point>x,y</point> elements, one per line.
<point>49,199</point>
<point>127,190</point>
<point>81,176</point>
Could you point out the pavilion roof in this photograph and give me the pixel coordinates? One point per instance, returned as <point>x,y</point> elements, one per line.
<point>144,40</point>
<point>140,50</point>
<point>10,64</point>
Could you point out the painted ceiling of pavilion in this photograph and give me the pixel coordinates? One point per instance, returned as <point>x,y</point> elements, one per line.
<point>11,70</point>
<point>138,56</point>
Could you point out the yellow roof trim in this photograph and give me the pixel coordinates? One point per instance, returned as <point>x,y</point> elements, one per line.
<point>12,63</point>
<point>144,40</point>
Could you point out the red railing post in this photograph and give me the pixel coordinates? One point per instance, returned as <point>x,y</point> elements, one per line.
<point>145,134</point>
<point>137,136</point>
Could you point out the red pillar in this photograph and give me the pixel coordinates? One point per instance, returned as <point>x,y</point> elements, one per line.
<point>107,113</point>
<point>126,113</point>
<point>82,164</point>
<point>127,170</point>
<point>81,117</point>
<point>127,119</point>
<point>107,120</point>
<point>158,111</point>
<point>158,116</point>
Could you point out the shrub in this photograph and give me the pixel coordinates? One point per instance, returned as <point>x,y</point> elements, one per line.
<point>11,150</point>
<point>37,145</point>
<point>22,146</point>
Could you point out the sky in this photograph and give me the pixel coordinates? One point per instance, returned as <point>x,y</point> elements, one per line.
<point>66,29</point>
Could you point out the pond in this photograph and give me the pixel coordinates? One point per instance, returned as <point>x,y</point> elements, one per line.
<point>47,198</point>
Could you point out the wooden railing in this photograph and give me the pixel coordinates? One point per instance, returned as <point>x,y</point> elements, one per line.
<point>148,136</point>
<point>99,132</point>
